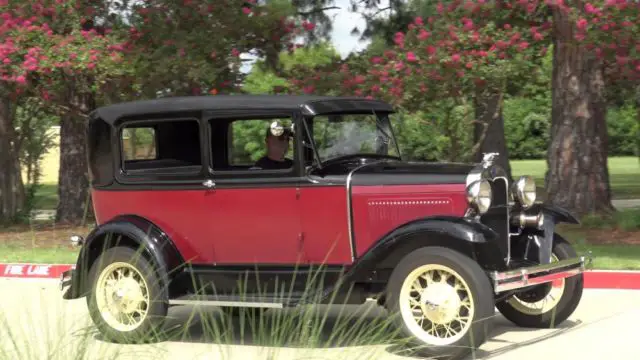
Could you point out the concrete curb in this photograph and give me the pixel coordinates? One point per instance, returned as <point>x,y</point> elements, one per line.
<point>593,279</point>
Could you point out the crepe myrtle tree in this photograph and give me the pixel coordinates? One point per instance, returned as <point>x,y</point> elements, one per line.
<point>466,50</point>
<point>50,52</point>
<point>194,46</point>
<point>75,55</point>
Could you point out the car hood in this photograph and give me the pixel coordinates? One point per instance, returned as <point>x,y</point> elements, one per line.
<point>410,173</point>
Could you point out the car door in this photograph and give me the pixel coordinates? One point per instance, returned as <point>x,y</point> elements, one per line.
<point>254,215</point>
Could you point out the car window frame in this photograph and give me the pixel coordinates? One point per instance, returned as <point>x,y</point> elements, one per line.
<point>254,175</point>
<point>169,175</point>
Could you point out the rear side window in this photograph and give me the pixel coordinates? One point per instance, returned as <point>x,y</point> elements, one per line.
<point>161,147</point>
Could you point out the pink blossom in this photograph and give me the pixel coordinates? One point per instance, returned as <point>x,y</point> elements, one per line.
<point>308,25</point>
<point>246,10</point>
<point>398,39</point>
<point>411,57</point>
<point>418,21</point>
<point>468,24</point>
<point>21,79</point>
<point>590,9</point>
<point>455,57</point>
<point>582,23</point>
<point>423,35</point>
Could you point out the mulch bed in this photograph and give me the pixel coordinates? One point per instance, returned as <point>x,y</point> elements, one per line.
<point>41,236</point>
<point>612,237</point>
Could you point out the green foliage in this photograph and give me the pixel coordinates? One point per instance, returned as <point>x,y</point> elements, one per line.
<point>526,128</point>
<point>623,130</point>
<point>262,80</point>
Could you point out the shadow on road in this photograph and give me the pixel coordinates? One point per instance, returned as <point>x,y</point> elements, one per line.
<point>324,327</point>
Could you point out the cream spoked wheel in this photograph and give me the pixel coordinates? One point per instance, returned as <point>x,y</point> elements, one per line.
<point>541,300</point>
<point>549,304</point>
<point>436,304</point>
<point>443,302</point>
<point>122,296</point>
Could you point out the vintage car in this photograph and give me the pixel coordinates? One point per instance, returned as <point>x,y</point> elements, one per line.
<point>186,214</point>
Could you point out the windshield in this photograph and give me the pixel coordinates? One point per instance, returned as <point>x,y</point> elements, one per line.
<point>349,134</point>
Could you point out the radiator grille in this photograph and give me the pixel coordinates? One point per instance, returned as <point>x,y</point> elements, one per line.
<point>497,217</point>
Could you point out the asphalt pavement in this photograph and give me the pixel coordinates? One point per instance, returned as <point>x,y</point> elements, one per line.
<point>35,323</point>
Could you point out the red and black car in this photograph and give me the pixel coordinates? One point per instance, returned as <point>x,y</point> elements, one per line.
<point>185,210</point>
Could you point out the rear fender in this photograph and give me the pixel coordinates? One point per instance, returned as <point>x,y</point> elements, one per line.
<point>132,231</point>
<point>461,234</point>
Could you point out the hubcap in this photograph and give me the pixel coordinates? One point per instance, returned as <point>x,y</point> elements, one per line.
<point>436,304</point>
<point>122,296</point>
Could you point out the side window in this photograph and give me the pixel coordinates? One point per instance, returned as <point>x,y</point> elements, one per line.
<point>161,147</point>
<point>246,145</point>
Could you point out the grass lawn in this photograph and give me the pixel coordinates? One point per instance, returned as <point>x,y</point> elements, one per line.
<point>624,173</point>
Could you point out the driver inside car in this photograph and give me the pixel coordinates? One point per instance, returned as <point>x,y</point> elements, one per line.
<point>277,147</point>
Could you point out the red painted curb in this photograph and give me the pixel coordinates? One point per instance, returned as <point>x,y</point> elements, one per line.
<point>594,279</point>
<point>626,280</point>
<point>36,271</point>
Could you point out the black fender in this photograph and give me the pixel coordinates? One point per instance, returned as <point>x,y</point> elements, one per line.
<point>557,213</point>
<point>132,231</point>
<point>465,235</point>
<point>540,250</point>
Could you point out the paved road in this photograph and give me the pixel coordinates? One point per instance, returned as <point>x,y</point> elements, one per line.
<point>39,325</point>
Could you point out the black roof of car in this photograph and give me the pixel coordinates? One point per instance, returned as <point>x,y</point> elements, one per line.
<point>308,104</point>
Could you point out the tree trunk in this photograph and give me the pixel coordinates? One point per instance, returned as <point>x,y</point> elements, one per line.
<point>73,182</point>
<point>12,196</point>
<point>638,118</point>
<point>489,129</point>
<point>577,177</point>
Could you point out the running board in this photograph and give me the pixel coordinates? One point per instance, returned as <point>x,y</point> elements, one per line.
<point>233,301</point>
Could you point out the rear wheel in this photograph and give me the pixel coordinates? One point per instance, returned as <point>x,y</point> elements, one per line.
<point>444,302</point>
<point>126,303</point>
<point>550,304</point>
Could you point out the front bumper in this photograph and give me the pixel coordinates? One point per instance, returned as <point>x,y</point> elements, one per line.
<point>539,274</point>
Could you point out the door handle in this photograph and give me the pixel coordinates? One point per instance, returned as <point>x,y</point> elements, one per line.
<point>209,184</point>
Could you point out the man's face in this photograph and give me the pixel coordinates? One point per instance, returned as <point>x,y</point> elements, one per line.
<point>278,145</point>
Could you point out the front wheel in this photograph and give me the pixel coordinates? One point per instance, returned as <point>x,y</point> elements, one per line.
<point>444,301</point>
<point>546,305</point>
<point>126,302</point>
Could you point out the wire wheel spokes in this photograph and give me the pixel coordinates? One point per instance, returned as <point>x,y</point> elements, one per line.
<point>122,296</point>
<point>436,304</point>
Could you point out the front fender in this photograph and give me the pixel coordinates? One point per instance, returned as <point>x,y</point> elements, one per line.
<point>130,231</point>
<point>471,238</point>
<point>557,213</point>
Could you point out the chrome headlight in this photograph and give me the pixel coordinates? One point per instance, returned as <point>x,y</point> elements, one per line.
<point>525,190</point>
<point>479,195</point>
